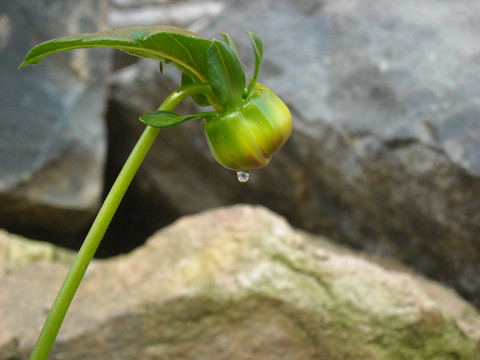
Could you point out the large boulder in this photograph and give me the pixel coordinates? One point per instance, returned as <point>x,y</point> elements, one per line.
<point>385,154</point>
<point>240,283</point>
<point>52,137</point>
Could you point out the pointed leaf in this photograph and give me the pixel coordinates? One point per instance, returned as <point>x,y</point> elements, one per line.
<point>165,119</point>
<point>225,74</point>
<point>185,49</point>
<point>230,43</point>
<point>257,45</point>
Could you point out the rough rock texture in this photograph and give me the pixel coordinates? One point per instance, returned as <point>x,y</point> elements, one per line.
<point>240,283</point>
<point>385,153</point>
<point>17,252</point>
<point>52,133</point>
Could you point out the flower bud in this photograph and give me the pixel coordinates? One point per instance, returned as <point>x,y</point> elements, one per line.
<point>246,136</point>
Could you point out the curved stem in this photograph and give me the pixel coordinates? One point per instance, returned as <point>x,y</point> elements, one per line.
<point>185,91</point>
<point>87,251</point>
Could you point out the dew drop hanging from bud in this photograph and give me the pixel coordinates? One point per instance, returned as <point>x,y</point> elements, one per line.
<point>243,176</point>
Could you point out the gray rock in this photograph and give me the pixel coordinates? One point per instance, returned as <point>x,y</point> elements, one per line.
<point>183,13</point>
<point>385,150</point>
<point>240,283</point>
<point>52,138</point>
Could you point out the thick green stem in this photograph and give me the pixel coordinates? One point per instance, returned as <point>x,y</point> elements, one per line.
<point>87,251</point>
<point>90,245</point>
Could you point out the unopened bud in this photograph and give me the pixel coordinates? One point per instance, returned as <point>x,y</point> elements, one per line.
<point>246,137</point>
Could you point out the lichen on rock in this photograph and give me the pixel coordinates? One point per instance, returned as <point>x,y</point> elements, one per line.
<point>241,283</point>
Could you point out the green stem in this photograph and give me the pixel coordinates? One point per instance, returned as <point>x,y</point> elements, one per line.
<point>87,251</point>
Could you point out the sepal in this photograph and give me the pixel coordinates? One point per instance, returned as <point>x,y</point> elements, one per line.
<point>225,74</point>
<point>165,119</point>
<point>257,46</point>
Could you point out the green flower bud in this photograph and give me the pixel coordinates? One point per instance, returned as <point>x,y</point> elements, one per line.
<point>246,136</point>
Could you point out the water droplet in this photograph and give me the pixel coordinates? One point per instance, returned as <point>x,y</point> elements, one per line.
<point>243,176</point>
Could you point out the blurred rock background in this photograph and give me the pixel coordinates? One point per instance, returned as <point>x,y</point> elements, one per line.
<point>53,136</point>
<point>385,154</point>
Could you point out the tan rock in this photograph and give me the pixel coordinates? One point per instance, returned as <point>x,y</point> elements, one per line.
<point>17,252</point>
<point>240,283</point>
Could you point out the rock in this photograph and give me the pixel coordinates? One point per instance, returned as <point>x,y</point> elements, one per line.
<point>240,283</point>
<point>384,154</point>
<point>184,13</point>
<point>17,252</point>
<point>52,138</point>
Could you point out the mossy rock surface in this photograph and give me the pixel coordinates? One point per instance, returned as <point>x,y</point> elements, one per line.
<point>17,252</point>
<point>240,283</point>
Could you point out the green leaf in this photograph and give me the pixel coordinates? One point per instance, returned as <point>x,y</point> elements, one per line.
<point>257,45</point>
<point>185,49</point>
<point>164,119</point>
<point>230,43</point>
<point>225,74</point>
<point>200,99</point>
